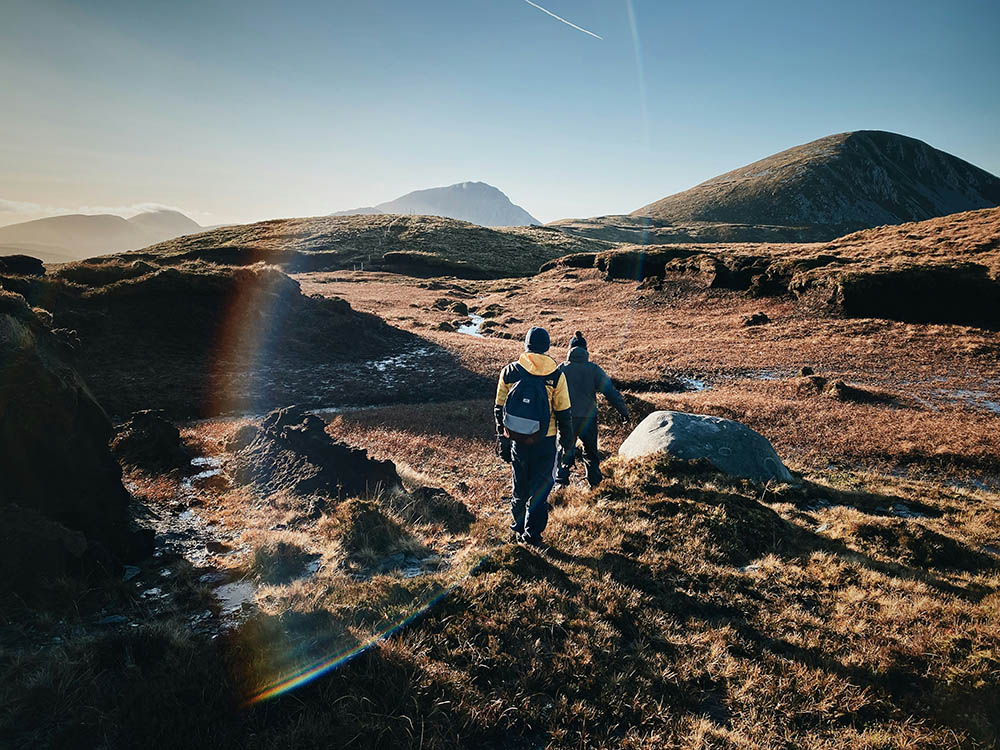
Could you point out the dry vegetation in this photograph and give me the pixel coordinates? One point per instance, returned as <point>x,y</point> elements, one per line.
<point>426,245</point>
<point>677,608</point>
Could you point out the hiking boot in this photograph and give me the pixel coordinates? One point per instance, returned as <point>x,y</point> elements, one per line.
<point>562,483</point>
<point>533,541</point>
<point>515,536</point>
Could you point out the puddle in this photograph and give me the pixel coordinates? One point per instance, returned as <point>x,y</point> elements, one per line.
<point>694,384</point>
<point>904,511</point>
<point>398,361</point>
<point>475,327</point>
<point>978,400</point>
<point>312,568</point>
<point>232,596</point>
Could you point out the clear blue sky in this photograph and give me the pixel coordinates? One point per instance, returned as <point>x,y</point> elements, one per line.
<point>237,111</point>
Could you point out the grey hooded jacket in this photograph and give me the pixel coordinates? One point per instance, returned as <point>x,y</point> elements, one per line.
<point>585,380</point>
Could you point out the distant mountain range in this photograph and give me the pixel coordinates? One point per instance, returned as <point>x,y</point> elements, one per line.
<point>475,202</point>
<point>60,239</point>
<point>839,184</point>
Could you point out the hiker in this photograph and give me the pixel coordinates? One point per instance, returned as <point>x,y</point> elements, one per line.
<point>532,402</point>
<point>586,379</point>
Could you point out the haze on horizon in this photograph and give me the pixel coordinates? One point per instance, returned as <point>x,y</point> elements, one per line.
<point>235,112</point>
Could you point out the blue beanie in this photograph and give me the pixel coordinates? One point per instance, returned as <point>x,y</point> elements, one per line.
<point>578,341</point>
<point>537,340</point>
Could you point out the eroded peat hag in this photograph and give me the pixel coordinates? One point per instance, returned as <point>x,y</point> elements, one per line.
<point>345,572</point>
<point>200,339</point>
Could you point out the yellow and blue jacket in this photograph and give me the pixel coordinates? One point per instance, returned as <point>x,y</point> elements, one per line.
<point>555,385</point>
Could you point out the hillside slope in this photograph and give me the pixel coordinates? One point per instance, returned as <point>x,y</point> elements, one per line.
<point>475,202</point>
<point>942,270</point>
<point>58,239</point>
<point>839,184</point>
<point>419,245</point>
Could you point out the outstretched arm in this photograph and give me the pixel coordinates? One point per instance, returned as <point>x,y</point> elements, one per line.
<point>611,393</point>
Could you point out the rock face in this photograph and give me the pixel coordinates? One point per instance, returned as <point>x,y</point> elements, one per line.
<point>149,442</point>
<point>292,453</point>
<point>840,183</point>
<point>54,457</point>
<point>730,446</point>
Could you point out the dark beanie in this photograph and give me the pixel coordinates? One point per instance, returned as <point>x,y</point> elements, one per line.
<point>537,340</point>
<point>578,341</point>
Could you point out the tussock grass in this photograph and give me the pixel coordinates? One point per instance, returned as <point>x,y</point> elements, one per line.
<point>677,608</point>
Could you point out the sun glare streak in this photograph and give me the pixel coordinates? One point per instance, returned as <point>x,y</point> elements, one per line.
<point>560,18</point>
<point>320,667</point>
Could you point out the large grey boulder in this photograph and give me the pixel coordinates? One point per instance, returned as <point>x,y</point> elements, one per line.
<point>730,446</point>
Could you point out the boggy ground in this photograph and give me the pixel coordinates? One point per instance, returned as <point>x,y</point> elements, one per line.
<point>676,607</point>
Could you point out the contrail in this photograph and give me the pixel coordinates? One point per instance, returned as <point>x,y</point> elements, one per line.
<point>560,18</point>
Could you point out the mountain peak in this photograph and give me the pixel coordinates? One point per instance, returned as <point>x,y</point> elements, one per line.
<point>475,202</point>
<point>842,182</point>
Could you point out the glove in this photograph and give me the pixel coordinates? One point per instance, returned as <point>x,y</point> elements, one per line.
<point>568,450</point>
<point>503,449</point>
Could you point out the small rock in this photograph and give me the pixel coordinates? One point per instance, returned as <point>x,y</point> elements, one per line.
<point>444,325</point>
<point>757,319</point>
<point>113,620</point>
<point>806,371</point>
<point>149,441</point>
<point>131,571</point>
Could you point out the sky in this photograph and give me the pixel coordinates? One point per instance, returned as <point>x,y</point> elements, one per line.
<point>243,111</point>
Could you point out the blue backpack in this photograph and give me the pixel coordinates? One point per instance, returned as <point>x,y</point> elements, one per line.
<point>526,410</point>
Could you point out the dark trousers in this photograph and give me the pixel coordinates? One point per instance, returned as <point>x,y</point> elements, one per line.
<point>586,433</point>
<point>532,467</point>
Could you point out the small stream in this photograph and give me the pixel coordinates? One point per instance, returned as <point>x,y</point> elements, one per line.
<point>474,327</point>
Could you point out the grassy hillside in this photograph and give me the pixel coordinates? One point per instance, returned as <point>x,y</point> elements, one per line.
<point>421,245</point>
<point>839,183</point>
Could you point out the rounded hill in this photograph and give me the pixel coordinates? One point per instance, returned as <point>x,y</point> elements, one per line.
<point>839,184</point>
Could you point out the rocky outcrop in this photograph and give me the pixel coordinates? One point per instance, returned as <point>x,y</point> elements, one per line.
<point>731,447</point>
<point>148,441</point>
<point>54,457</point>
<point>21,265</point>
<point>292,453</point>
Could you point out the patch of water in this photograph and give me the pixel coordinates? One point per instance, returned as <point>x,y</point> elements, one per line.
<point>474,328</point>
<point>694,384</point>
<point>212,461</point>
<point>232,596</point>
<point>900,510</point>
<point>398,361</point>
<point>980,400</point>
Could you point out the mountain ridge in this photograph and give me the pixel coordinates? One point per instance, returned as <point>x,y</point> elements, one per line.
<point>58,239</point>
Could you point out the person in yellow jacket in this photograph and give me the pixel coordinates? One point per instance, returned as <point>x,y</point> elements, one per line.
<point>532,457</point>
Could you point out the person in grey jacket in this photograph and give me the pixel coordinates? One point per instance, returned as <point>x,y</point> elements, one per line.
<point>585,380</point>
